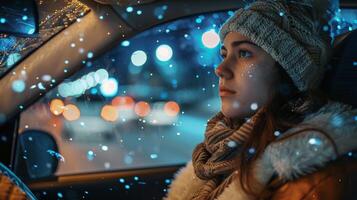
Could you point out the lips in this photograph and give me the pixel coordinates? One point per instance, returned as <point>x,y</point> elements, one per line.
<point>223,91</point>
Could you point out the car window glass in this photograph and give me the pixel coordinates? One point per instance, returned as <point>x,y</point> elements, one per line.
<point>145,103</point>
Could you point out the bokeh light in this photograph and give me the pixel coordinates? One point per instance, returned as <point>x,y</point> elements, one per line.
<point>79,86</point>
<point>138,58</point>
<point>210,39</point>
<point>71,112</point>
<point>153,156</point>
<point>90,155</point>
<point>254,106</point>
<point>109,113</point>
<point>89,80</point>
<point>142,109</point>
<point>164,52</point>
<point>123,102</point>
<point>125,43</point>
<point>18,86</point>
<point>171,108</point>
<point>129,9</point>
<point>57,106</point>
<point>101,75</point>
<point>90,54</point>
<point>109,87</point>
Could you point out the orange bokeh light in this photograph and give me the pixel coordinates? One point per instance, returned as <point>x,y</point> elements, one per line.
<point>171,108</point>
<point>109,113</point>
<point>142,109</point>
<point>123,103</point>
<point>57,106</point>
<point>71,112</point>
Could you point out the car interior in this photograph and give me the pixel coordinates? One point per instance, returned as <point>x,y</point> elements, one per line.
<point>49,155</point>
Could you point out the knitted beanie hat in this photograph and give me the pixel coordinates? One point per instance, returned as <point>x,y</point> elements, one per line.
<point>292,32</point>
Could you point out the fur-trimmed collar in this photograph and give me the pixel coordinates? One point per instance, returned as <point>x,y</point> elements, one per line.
<point>288,157</point>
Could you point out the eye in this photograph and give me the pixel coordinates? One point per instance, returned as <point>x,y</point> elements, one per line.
<point>245,54</point>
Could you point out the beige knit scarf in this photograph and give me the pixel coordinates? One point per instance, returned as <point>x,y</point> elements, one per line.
<point>216,158</point>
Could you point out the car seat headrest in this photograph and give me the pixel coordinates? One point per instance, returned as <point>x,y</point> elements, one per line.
<point>340,81</point>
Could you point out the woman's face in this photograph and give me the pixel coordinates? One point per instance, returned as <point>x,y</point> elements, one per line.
<point>247,76</point>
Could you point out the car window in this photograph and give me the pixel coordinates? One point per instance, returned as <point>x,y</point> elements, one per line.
<point>144,103</point>
<point>345,20</point>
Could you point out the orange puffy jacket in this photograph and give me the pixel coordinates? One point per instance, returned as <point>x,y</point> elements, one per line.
<point>335,181</point>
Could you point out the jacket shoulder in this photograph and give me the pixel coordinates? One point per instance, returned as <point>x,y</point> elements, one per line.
<point>334,181</point>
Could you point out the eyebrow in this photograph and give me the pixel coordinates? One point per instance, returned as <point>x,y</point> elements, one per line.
<point>237,43</point>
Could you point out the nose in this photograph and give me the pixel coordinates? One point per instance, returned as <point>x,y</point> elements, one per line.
<point>222,72</point>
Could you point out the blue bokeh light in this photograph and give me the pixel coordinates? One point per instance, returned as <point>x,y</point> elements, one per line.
<point>138,58</point>
<point>94,91</point>
<point>153,156</point>
<point>90,155</point>
<point>18,86</point>
<point>129,9</point>
<point>90,54</point>
<point>125,43</point>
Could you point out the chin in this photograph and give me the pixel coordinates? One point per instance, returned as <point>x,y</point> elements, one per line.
<point>231,112</point>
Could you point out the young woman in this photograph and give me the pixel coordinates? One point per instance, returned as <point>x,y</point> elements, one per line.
<point>276,136</point>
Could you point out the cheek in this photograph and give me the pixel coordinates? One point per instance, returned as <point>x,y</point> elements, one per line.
<point>251,72</point>
<point>255,85</point>
<point>257,75</point>
<point>248,77</point>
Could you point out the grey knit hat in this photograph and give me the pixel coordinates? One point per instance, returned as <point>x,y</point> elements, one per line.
<point>292,32</point>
